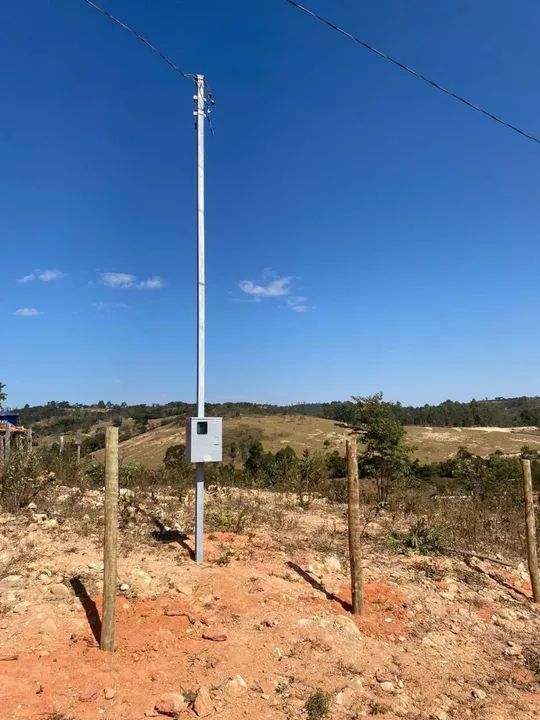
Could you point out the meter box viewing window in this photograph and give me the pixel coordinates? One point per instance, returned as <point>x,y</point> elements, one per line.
<point>204,439</point>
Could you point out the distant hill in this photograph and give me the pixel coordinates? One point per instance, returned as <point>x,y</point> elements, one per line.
<point>146,431</point>
<point>56,418</point>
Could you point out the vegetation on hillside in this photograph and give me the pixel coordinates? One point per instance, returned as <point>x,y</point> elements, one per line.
<point>63,417</point>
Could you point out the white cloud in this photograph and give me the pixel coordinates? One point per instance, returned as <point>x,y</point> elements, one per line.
<point>50,275</point>
<point>43,275</point>
<point>27,312</point>
<point>27,278</point>
<point>103,306</point>
<point>275,288</point>
<point>118,280</point>
<point>126,280</point>
<point>299,304</point>
<point>153,283</point>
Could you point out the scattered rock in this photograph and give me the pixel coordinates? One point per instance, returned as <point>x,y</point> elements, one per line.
<point>478,694</point>
<point>333,564</point>
<point>216,634</point>
<point>384,676</point>
<point>513,650</point>
<point>6,558</point>
<point>10,581</point>
<point>20,608</point>
<point>88,694</point>
<point>184,589</point>
<point>435,640</point>
<point>236,686</point>
<point>268,623</point>
<point>48,627</point>
<point>109,693</point>
<point>171,704</point>
<point>347,625</point>
<point>59,590</point>
<point>387,686</point>
<point>203,705</point>
<point>141,577</point>
<point>316,569</point>
<point>440,715</point>
<point>374,529</point>
<point>124,587</point>
<point>49,524</point>
<point>345,697</point>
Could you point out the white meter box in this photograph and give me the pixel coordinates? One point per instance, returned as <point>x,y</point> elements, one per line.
<point>204,439</point>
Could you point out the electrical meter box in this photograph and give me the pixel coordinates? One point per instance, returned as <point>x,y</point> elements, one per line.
<point>204,440</point>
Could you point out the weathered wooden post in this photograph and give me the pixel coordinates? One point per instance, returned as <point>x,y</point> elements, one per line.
<point>355,557</point>
<point>29,441</point>
<point>1,451</point>
<point>110,540</point>
<point>78,450</point>
<point>61,445</point>
<point>7,443</point>
<point>530,524</point>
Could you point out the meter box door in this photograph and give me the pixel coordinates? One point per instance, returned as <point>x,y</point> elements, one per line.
<point>204,439</point>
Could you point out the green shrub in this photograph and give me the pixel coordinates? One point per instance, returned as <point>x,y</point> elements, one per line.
<point>317,705</point>
<point>421,538</point>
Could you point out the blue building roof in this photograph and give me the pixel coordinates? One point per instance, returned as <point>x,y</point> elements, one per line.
<point>9,417</point>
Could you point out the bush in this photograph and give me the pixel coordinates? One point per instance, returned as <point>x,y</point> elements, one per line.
<point>22,480</point>
<point>421,538</point>
<point>317,705</point>
<point>233,512</point>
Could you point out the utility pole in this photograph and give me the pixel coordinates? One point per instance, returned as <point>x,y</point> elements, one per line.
<point>200,114</point>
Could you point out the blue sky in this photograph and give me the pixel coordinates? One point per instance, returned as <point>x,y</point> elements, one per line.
<point>364,232</point>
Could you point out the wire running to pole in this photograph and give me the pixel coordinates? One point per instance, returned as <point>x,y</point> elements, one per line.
<point>141,38</point>
<point>411,71</point>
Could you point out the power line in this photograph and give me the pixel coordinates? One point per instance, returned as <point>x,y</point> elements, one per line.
<point>141,38</point>
<point>411,71</point>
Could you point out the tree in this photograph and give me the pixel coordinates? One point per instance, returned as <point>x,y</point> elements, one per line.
<point>3,394</point>
<point>386,455</point>
<point>310,476</point>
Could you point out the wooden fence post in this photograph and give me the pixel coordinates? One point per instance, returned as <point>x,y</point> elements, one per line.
<point>530,524</point>
<point>61,449</point>
<point>78,448</point>
<point>355,557</point>
<point>7,444</point>
<point>1,451</point>
<point>110,540</point>
<point>29,441</point>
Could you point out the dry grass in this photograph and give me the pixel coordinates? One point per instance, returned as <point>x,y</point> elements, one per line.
<point>436,443</point>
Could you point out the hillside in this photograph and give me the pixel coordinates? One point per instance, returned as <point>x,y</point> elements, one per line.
<point>274,431</point>
<point>431,444</point>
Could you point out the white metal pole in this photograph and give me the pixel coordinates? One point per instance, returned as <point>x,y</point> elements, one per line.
<point>199,482</point>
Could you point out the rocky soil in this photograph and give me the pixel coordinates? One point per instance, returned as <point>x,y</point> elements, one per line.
<point>258,629</point>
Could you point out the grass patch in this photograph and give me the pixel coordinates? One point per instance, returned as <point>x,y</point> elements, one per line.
<point>317,705</point>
